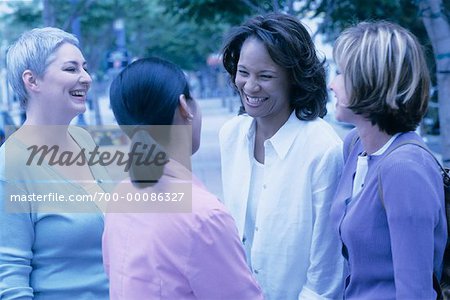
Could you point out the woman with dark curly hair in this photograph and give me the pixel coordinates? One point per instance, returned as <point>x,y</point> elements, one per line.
<point>280,161</point>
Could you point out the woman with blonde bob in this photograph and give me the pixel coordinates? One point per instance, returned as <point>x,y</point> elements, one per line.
<point>389,206</point>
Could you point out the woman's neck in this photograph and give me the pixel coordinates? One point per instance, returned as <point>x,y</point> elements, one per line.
<point>45,120</point>
<point>266,127</point>
<point>38,115</point>
<point>372,138</point>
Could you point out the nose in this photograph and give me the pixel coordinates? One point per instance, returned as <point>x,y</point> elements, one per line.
<point>252,85</point>
<point>85,77</point>
<point>331,84</point>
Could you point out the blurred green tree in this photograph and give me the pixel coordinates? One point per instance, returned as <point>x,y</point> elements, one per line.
<point>429,20</point>
<point>151,28</point>
<point>186,31</point>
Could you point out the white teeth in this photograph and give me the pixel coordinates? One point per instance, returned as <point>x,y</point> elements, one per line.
<point>254,100</point>
<point>78,93</point>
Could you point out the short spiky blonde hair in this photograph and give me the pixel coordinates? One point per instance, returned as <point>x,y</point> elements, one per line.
<point>385,74</point>
<point>34,50</point>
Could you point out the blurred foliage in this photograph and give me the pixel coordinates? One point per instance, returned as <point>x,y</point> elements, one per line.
<point>337,15</point>
<point>209,11</point>
<point>230,12</point>
<point>151,28</point>
<point>186,31</point>
<point>341,14</point>
<point>183,31</point>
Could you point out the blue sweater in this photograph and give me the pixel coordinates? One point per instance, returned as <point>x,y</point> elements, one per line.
<point>43,254</point>
<point>393,249</point>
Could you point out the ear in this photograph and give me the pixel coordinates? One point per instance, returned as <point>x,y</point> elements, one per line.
<point>185,111</point>
<point>30,80</point>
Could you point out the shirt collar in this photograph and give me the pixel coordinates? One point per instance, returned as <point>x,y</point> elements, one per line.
<point>386,146</point>
<point>283,139</point>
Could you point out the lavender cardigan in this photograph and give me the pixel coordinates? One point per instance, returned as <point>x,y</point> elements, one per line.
<point>391,251</point>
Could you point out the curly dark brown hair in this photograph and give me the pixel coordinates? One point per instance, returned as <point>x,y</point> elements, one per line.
<point>291,47</point>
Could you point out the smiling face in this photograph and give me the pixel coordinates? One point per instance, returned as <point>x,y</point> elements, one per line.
<point>64,85</point>
<point>342,112</point>
<point>263,85</point>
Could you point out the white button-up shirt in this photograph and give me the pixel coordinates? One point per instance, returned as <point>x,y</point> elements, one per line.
<point>295,254</point>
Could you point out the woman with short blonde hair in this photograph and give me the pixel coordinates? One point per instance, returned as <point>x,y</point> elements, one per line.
<point>50,249</point>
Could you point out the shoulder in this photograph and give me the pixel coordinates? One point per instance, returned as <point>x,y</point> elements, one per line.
<point>10,145</point>
<point>411,179</point>
<point>350,142</point>
<point>14,157</point>
<point>351,138</point>
<point>81,136</point>
<point>323,148</point>
<point>235,127</point>
<point>409,160</point>
<point>79,132</point>
<point>206,207</point>
<point>320,137</point>
<point>204,202</point>
<point>322,131</point>
<point>404,148</point>
<point>213,226</point>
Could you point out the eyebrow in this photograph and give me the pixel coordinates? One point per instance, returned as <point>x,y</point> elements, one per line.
<point>75,62</point>
<point>262,71</point>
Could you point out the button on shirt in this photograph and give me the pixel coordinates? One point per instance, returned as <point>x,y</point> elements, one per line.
<point>255,192</point>
<point>360,174</point>
<point>295,254</point>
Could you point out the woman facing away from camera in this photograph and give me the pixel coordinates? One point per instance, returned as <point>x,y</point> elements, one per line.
<point>49,250</point>
<point>389,206</point>
<point>280,160</point>
<point>158,253</point>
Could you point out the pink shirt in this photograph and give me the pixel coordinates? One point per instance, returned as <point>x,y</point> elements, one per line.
<point>194,255</point>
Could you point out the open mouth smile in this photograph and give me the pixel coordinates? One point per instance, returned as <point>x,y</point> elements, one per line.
<point>254,101</point>
<point>78,93</point>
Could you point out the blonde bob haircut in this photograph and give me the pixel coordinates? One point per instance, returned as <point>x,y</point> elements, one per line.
<point>385,74</point>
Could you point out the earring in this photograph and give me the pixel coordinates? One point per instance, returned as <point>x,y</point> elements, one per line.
<point>189,118</point>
